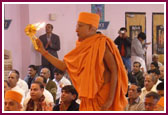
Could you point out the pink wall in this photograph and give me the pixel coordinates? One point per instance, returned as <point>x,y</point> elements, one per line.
<point>64,25</point>
<point>12,36</point>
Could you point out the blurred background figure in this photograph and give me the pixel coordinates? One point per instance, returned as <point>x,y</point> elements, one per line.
<point>124,45</point>
<point>51,43</point>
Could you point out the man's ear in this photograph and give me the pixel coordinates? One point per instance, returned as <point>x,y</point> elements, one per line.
<point>93,28</point>
<point>74,96</point>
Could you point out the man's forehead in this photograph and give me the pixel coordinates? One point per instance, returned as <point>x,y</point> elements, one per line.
<point>150,99</point>
<point>10,100</point>
<point>30,68</point>
<point>39,79</point>
<point>48,25</point>
<point>34,85</point>
<point>133,86</point>
<point>12,73</point>
<point>137,64</point>
<point>148,77</point>
<point>81,23</point>
<point>44,70</point>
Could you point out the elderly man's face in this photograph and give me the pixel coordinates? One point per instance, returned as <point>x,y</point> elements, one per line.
<point>11,105</point>
<point>150,103</point>
<point>132,92</point>
<point>45,73</point>
<point>12,79</point>
<point>148,82</point>
<point>83,30</point>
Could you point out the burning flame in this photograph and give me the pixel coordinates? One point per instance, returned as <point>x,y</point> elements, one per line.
<point>39,25</point>
<point>31,29</point>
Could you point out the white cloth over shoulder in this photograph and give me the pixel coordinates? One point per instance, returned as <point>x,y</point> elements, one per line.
<point>23,85</point>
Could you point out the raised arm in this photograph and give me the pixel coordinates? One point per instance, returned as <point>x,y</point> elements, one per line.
<point>53,60</point>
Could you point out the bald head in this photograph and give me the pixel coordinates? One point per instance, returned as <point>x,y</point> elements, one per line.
<point>45,72</point>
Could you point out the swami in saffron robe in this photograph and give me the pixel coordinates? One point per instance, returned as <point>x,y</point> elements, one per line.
<point>85,67</point>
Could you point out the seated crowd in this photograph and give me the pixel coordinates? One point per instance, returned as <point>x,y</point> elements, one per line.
<point>38,92</point>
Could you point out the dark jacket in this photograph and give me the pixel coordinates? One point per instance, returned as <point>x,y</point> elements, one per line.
<point>55,41</point>
<point>29,80</point>
<point>73,107</point>
<point>137,78</point>
<point>127,45</point>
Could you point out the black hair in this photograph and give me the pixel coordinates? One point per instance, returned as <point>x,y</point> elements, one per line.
<point>142,35</point>
<point>160,86</point>
<point>123,28</point>
<point>155,64</point>
<point>138,87</point>
<point>71,89</point>
<point>50,25</point>
<point>39,83</point>
<point>156,71</point>
<point>153,94</point>
<point>58,71</point>
<point>136,62</point>
<point>33,66</point>
<point>7,83</point>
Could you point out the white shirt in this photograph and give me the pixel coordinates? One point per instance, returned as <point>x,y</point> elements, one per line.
<point>23,85</point>
<point>64,81</point>
<point>19,90</point>
<point>144,92</point>
<point>46,94</point>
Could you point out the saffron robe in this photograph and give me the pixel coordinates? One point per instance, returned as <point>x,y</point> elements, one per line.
<point>85,67</point>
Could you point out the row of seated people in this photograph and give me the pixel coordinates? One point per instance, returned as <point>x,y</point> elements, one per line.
<point>38,100</point>
<point>137,76</point>
<point>146,89</point>
<point>52,88</point>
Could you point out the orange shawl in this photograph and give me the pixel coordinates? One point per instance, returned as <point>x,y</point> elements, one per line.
<point>85,67</point>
